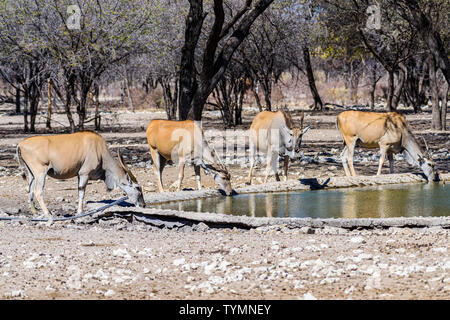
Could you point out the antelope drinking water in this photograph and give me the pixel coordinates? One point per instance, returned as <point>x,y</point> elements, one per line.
<point>83,154</point>
<point>387,131</point>
<point>183,140</point>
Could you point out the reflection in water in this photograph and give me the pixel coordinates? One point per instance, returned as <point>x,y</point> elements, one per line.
<point>370,202</point>
<point>269,205</point>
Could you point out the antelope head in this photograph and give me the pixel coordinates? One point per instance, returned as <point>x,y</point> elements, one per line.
<point>130,185</point>
<point>219,173</point>
<point>426,163</point>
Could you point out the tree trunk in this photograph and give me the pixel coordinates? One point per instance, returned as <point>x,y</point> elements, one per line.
<point>130,98</point>
<point>188,82</point>
<point>170,101</point>
<point>85,87</point>
<point>353,81</point>
<point>436,123</point>
<point>373,87</point>
<point>18,99</point>
<point>318,105</point>
<point>398,88</point>
<point>267,86</point>
<point>389,106</point>
<point>257,99</point>
<point>34,103</point>
<point>25,109</point>
<point>49,105</point>
<point>69,93</point>
<point>444,95</point>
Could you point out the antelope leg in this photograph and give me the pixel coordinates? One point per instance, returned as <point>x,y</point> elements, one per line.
<point>382,158</point>
<point>272,165</point>
<point>390,156</point>
<point>286,165</point>
<point>344,161</point>
<point>180,174</point>
<point>350,153</point>
<point>32,182</point>
<point>157,168</point>
<point>38,191</point>
<point>82,182</point>
<point>197,176</point>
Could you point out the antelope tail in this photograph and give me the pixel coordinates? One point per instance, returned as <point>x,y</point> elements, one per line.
<point>339,130</point>
<point>22,163</point>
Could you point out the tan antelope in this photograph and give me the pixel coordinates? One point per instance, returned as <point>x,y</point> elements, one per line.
<point>274,134</point>
<point>83,154</point>
<point>387,131</point>
<point>182,141</point>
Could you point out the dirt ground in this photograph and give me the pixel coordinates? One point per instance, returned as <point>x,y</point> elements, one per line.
<point>121,260</point>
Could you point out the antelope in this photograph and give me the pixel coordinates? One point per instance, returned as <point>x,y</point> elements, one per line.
<point>182,140</point>
<point>274,134</point>
<point>388,131</point>
<point>83,154</point>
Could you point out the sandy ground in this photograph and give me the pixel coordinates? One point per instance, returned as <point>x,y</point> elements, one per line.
<point>119,260</point>
<point>116,259</point>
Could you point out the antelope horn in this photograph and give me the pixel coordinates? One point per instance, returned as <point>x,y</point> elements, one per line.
<point>301,119</point>
<point>218,157</point>
<point>119,155</point>
<point>426,146</point>
<point>124,166</point>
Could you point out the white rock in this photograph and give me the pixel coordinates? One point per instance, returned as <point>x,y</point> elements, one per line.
<point>309,296</point>
<point>349,290</point>
<point>352,267</point>
<point>178,262</point>
<point>49,289</point>
<point>431,269</point>
<point>18,293</point>
<point>234,251</point>
<point>357,240</point>
<point>109,293</point>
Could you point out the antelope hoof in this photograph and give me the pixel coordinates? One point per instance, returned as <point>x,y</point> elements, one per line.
<point>49,221</point>
<point>33,210</point>
<point>174,185</point>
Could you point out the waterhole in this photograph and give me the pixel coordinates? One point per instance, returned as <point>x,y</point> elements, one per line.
<point>367,202</point>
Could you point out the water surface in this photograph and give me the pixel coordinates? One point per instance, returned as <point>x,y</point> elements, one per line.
<point>368,202</point>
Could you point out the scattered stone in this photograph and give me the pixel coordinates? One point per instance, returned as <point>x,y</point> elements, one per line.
<point>357,240</point>
<point>202,227</point>
<point>309,296</point>
<point>109,293</point>
<point>307,230</point>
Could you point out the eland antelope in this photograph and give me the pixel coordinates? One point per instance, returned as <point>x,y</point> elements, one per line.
<point>389,132</point>
<point>274,134</point>
<point>182,141</point>
<point>83,154</point>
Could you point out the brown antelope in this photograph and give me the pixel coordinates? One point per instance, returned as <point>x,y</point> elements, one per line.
<point>83,154</point>
<point>274,134</point>
<point>387,131</point>
<point>183,140</point>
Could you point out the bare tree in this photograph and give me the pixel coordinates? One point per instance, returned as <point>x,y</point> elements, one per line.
<point>196,86</point>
